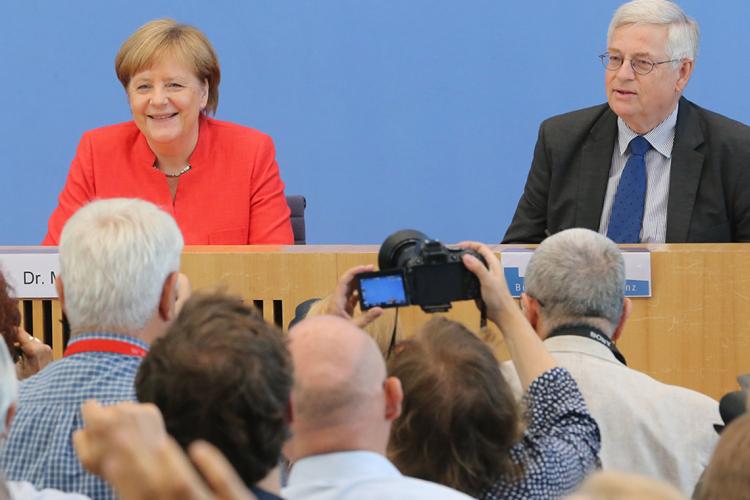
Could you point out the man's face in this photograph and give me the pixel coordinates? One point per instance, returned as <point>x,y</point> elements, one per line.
<point>644,101</point>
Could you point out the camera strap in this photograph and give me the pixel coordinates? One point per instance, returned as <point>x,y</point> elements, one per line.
<point>589,332</point>
<point>392,343</point>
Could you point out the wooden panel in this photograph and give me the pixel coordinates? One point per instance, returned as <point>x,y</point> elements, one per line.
<point>20,310</point>
<point>57,330</point>
<point>694,331</point>
<point>38,316</point>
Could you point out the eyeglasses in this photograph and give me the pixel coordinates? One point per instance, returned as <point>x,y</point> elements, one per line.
<point>640,65</point>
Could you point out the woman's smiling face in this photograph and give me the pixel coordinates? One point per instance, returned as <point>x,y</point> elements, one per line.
<point>166,100</point>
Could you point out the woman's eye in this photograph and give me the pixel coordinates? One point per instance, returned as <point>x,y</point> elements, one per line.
<point>142,87</point>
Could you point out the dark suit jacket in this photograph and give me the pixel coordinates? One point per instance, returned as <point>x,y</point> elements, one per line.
<point>709,184</point>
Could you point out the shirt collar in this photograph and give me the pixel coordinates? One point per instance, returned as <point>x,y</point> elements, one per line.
<point>111,336</point>
<point>346,465</point>
<point>580,345</point>
<point>660,137</point>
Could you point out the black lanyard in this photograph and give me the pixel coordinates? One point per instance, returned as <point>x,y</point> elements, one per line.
<point>589,332</point>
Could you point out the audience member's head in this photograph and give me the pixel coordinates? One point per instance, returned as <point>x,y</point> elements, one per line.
<point>727,476</point>
<point>118,259</point>
<point>459,417</point>
<point>10,317</point>
<point>576,276</point>
<point>342,399</point>
<point>224,375</point>
<point>620,486</point>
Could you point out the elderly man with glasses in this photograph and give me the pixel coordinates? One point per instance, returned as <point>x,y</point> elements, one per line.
<point>649,166</point>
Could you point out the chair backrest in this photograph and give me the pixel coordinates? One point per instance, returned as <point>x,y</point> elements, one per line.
<point>297,204</point>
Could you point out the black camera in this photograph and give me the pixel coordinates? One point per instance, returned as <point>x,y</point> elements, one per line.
<point>415,270</point>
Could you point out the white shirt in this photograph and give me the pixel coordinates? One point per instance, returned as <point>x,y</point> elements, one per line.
<point>22,490</point>
<point>358,475</point>
<point>658,166</point>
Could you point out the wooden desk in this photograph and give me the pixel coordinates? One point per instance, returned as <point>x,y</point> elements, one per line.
<point>694,331</point>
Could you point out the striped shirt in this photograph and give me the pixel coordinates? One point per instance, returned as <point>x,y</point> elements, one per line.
<point>658,166</point>
<point>40,448</point>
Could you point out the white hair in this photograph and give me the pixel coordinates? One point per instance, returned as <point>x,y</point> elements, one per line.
<point>683,33</point>
<point>577,274</point>
<point>115,256</point>
<point>8,384</point>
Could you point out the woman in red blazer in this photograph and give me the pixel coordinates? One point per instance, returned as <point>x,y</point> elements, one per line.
<point>220,181</point>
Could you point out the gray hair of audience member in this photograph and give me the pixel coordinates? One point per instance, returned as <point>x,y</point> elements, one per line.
<point>576,274</point>
<point>115,256</point>
<point>8,384</point>
<point>683,35</point>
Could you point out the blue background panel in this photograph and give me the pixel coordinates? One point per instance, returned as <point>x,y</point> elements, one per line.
<point>386,114</point>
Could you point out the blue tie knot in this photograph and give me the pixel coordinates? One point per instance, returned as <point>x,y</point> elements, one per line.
<point>639,145</point>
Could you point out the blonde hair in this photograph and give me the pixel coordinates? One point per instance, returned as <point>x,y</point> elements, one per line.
<point>161,37</point>
<point>620,486</point>
<point>380,330</point>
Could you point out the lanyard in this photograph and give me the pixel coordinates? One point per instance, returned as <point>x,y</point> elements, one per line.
<point>105,345</point>
<point>589,332</point>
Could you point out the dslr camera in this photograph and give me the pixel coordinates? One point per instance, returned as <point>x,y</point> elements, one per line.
<point>416,270</point>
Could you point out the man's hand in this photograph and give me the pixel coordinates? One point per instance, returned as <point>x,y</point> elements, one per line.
<point>221,477</point>
<point>344,299</point>
<point>126,444</point>
<point>35,355</point>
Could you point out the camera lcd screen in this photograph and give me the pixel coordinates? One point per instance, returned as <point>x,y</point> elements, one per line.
<point>382,289</point>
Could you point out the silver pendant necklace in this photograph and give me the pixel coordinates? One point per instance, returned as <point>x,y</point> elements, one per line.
<point>183,171</point>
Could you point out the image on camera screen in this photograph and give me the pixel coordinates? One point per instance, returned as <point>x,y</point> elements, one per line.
<point>383,291</point>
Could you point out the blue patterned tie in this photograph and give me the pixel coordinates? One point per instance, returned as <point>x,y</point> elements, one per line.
<point>627,209</point>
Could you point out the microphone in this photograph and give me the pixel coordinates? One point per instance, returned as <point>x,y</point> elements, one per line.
<point>731,406</point>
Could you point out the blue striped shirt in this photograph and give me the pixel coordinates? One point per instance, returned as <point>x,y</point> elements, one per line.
<point>40,448</point>
<point>658,167</point>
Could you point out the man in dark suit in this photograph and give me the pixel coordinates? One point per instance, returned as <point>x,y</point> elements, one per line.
<point>685,177</point>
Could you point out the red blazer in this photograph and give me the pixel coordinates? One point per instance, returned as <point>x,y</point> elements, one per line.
<point>233,195</point>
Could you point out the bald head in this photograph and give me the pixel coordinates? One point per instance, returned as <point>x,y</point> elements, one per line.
<point>338,370</point>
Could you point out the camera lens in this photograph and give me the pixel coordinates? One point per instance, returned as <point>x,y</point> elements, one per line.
<point>398,248</point>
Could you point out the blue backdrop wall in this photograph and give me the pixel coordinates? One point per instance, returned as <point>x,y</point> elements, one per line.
<point>385,113</point>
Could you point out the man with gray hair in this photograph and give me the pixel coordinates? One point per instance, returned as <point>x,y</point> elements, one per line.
<point>609,167</point>
<point>575,300</point>
<point>118,286</point>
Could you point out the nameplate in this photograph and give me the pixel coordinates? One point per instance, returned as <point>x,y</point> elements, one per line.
<point>31,273</point>
<point>637,271</point>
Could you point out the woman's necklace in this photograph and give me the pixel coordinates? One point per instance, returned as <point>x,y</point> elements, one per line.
<point>184,170</point>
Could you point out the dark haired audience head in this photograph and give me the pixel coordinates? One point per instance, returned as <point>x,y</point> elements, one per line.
<point>459,416</point>
<point>224,375</point>
<point>727,476</point>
